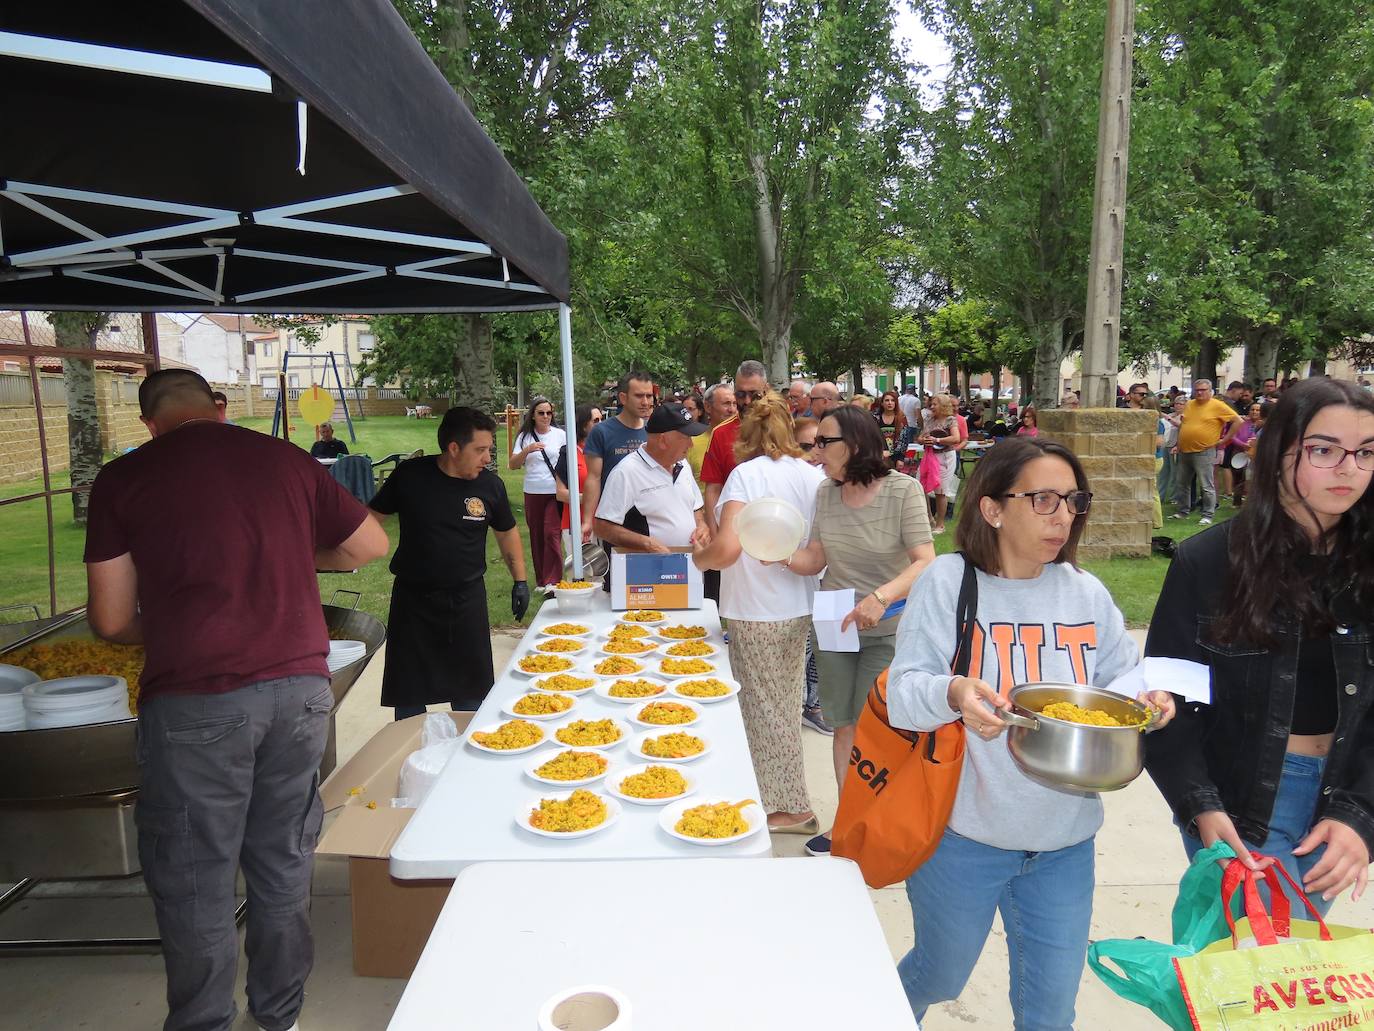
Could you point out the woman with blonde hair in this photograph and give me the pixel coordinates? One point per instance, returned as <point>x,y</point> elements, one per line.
<point>769,610</point>
<point>943,434</point>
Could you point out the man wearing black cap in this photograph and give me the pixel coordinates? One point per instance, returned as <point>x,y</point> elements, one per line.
<point>650,501</point>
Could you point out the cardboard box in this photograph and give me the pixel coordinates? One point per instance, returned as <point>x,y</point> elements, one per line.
<point>392,919</point>
<point>640,580</point>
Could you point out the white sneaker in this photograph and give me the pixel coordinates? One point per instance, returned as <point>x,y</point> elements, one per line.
<point>1204,521</point>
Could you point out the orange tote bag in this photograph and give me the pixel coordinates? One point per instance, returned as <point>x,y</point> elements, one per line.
<point>900,788</point>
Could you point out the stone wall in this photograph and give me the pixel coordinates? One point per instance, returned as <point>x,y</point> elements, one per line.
<point>116,399</point>
<point>1117,449</point>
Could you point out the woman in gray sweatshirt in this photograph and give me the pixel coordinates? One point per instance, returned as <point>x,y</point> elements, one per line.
<point>1012,844</point>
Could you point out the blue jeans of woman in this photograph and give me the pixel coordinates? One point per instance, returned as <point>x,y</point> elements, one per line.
<point>1045,899</point>
<point>1296,801</point>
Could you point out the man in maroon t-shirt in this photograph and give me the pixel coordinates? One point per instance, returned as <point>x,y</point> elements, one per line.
<point>203,545</point>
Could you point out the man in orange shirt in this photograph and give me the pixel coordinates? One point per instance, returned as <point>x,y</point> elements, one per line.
<point>1207,428</point>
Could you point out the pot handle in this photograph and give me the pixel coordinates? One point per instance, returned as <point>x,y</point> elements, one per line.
<point>1015,719</point>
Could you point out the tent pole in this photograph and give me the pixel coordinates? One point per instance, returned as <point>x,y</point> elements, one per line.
<point>570,422</point>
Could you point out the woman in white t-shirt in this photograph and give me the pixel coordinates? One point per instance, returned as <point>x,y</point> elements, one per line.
<point>535,450</point>
<point>769,610</point>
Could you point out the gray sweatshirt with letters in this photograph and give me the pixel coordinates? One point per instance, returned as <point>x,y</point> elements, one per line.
<point>1060,626</point>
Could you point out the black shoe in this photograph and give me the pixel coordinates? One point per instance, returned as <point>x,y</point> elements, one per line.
<point>819,845</point>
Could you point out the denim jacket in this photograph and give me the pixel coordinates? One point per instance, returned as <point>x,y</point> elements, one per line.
<point>1229,755</point>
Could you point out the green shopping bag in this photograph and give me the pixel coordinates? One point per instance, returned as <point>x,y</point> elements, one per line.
<point>1144,970</point>
<point>1274,972</point>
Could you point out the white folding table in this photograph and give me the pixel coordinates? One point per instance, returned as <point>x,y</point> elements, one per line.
<point>470,815</point>
<point>721,945</point>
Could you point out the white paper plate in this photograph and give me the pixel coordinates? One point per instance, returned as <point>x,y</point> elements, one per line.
<point>620,617</point>
<point>566,653</point>
<point>522,817</point>
<point>663,650</point>
<point>509,707</point>
<point>648,634</point>
<point>620,724</point>
<point>515,666</point>
<point>640,660</point>
<point>603,690</point>
<point>650,646</point>
<point>544,757</point>
<point>613,785</point>
<point>491,728</point>
<point>668,626</point>
<point>656,670</point>
<point>634,716</point>
<point>637,747</point>
<point>668,818</point>
<point>544,630</point>
<point>538,682</point>
<point>733,685</point>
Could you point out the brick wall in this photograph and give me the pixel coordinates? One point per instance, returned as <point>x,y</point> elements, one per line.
<point>1117,449</point>
<point>20,454</point>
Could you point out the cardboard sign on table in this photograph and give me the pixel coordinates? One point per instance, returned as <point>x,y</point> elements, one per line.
<point>640,580</point>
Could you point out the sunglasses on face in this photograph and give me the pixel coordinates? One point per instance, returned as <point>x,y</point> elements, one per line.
<point>749,395</point>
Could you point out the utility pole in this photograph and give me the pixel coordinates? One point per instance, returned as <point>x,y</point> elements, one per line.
<point>1102,324</point>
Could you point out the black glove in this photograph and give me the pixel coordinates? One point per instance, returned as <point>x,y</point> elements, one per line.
<point>519,599</point>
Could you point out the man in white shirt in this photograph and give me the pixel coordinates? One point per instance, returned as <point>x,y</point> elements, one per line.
<point>799,398</point>
<point>910,405</point>
<point>650,501</point>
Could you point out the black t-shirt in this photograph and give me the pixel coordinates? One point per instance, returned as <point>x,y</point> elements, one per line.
<point>332,448</point>
<point>444,521</point>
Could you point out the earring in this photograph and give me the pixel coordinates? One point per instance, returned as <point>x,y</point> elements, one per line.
<point>997,526</point>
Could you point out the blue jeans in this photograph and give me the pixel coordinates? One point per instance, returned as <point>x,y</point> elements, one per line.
<point>1294,805</point>
<point>1045,899</point>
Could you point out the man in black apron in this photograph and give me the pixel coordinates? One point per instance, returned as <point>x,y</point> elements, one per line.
<point>438,634</point>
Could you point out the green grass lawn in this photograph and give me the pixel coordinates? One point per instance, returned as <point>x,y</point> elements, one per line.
<point>24,534</point>
<point>1134,583</point>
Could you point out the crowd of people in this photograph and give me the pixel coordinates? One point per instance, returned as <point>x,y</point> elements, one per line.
<point>231,734</point>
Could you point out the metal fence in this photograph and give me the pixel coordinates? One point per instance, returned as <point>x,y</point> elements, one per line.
<point>15,389</point>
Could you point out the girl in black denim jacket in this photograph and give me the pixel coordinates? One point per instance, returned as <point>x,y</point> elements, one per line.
<point>1277,603</point>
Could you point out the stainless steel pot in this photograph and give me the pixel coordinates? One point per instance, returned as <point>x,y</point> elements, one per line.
<point>1076,755</point>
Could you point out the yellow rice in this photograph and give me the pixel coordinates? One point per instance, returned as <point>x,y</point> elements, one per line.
<point>714,820</point>
<point>690,648</point>
<point>654,782</point>
<point>634,689</point>
<point>676,745</point>
<point>711,688</point>
<point>542,704</point>
<point>642,616</point>
<point>545,664</point>
<point>618,666</point>
<point>559,644</point>
<point>588,732</point>
<point>666,714</point>
<point>564,682</point>
<point>682,632</point>
<point>572,765</point>
<point>676,666</point>
<point>510,735</point>
<point>567,629</point>
<point>582,811</point>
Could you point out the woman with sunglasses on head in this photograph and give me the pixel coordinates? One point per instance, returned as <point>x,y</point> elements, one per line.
<point>872,535</point>
<point>586,417</point>
<point>535,449</point>
<point>769,610</point>
<point>1276,602</point>
<point>1013,844</point>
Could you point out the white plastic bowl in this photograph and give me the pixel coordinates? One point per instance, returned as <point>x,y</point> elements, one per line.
<point>76,701</point>
<point>770,529</point>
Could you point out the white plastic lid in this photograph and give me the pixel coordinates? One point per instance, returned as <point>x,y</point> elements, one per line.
<point>66,693</point>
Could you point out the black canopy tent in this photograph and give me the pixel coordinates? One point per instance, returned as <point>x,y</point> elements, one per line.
<point>255,156</point>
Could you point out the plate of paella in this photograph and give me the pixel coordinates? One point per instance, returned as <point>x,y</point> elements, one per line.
<point>673,668</point>
<point>538,664</point>
<point>666,713</point>
<point>540,705</point>
<point>573,683</point>
<point>628,690</point>
<point>570,768</point>
<point>569,814</point>
<point>509,738</point>
<point>716,821</point>
<point>705,689</point>
<point>602,733</point>
<point>651,784</point>
<point>688,650</point>
<point>674,746</point>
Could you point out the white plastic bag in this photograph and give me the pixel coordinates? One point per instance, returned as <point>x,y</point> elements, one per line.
<point>420,771</point>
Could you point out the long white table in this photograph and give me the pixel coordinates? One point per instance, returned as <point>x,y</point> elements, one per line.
<point>470,815</point>
<point>729,945</point>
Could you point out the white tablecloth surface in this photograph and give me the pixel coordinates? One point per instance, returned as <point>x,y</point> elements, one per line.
<point>729,945</point>
<point>470,815</point>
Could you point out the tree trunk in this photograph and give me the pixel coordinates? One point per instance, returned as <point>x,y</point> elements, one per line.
<point>996,387</point>
<point>1049,355</point>
<point>474,369</point>
<point>78,329</point>
<point>777,283</point>
<point>693,360</point>
<point>1205,364</point>
<point>856,378</point>
<point>1261,353</point>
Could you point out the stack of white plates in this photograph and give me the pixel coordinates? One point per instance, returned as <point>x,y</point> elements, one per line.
<point>13,680</point>
<point>75,702</point>
<point>342,653</point>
